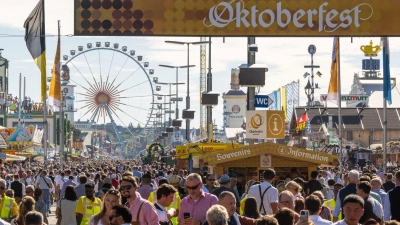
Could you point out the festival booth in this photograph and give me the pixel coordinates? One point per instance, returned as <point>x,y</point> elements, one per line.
<point>252,160</point>
<point>20,141</point>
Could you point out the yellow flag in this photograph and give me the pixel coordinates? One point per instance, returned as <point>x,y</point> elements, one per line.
<point>55,85</point>
<point>333,89</point>
<point>284,102</point>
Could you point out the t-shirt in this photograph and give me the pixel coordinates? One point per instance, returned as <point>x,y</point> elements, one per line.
<point>313,185</point>
<point>42,182</point>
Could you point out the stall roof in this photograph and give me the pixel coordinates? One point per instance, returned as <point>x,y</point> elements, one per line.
<point>290,152</point>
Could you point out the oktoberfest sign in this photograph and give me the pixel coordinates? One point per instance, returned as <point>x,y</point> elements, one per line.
<point>236,18</point>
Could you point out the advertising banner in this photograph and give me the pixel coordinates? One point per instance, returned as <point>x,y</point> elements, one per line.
<point>256,126</point>
<point>265,160</point>
<point>265,124</point>
<point>236,18</point>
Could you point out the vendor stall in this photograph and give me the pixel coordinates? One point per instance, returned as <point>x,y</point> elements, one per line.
<point>252,160</point>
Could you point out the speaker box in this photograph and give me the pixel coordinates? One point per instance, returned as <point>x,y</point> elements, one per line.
<point>209,98</point>
<point>251,77</point>
<point>188,114</point>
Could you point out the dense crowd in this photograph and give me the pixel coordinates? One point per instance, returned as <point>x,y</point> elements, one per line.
<point>127,192</point>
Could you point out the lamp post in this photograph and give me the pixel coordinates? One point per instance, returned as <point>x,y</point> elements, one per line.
<point>308,90</point>
<point>176,83</point>
<point>188,65</point>
<point>170,99</point>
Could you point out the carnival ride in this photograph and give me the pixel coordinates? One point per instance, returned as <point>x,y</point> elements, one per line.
<point>111,83</point>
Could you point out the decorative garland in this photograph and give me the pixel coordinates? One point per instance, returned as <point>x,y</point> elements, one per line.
<point>150,153</point>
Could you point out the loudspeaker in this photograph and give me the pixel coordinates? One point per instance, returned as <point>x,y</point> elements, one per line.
<point>210,98</point>
<point>251,77</point>
<point>188,114</point>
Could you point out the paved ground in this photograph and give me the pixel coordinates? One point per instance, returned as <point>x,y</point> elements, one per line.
<point>52,217</point>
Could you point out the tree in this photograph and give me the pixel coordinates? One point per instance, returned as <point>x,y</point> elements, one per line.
<point>68,128</point>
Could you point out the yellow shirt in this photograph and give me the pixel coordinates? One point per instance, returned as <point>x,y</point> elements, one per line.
<point>331,205</point>
<point>242,205</point>
<point>174,204</point>
<point>15,207</point>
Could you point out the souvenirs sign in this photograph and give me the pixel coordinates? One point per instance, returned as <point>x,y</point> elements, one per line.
<point>236,18</point>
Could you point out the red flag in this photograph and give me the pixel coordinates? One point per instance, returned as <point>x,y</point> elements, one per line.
<point>302,119</point>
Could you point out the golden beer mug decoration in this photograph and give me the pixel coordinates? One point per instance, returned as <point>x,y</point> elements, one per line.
<point>370,50</point>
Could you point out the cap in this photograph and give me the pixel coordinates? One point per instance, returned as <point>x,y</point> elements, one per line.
<point>163,181</point>
<point>174,180</point>
<point>160,173</point>
<point>224,179</point>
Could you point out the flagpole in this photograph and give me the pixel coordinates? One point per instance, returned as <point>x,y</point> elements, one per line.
<point>339,108</point>
<point>61,126</point>
<point>45,129</point>
<point>386,90</point>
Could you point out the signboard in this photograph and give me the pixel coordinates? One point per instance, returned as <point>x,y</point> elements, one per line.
<point>241,153</point>
<point>236,18</point>
<point>262,101</point>
<point>265,124</point>
<point>276,124</point>
<point>315,136</point>
<point>265,160</point>
<point>363,98</point>
<point>256,126</point>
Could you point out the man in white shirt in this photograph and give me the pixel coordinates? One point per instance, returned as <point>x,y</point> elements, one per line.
<point>165,196</point>
<point>313,205</point>
<point>268,201</point>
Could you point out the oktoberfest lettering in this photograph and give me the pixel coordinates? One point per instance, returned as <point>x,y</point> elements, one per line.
<point>328,21</point>
<point>233,154</point>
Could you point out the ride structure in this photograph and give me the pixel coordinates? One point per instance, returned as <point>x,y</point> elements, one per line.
<point>108,80</point>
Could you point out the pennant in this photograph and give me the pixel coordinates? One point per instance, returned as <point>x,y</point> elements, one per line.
<point>36,42</point>
<point>55,85</point>
<point>333,89</point>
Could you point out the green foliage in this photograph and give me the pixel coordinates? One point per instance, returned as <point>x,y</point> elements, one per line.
<point>151,153</point>
<point>68,128</point>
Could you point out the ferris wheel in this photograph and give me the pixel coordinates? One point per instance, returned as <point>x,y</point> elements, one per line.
<point>112,85</point>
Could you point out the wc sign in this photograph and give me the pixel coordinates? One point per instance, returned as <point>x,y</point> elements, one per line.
<point>262,101</point>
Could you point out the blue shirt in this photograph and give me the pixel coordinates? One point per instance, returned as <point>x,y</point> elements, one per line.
<point>80,190</point>
<point>137,174</point>
<point>382,194</point>
<point>68,182</point>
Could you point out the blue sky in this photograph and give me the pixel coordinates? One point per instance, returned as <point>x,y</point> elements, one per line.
<point>285,57</point>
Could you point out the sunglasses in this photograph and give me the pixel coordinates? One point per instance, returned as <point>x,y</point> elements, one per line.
<point>10,195</point>
<point>285,202</point>
<point>194,187</point>
<point>2,188</point>
<point>211,179</point>
<point>127,187</point>
<point>112,216</point>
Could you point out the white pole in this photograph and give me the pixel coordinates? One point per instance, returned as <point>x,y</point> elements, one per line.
<point>19,103</point>
<point>45,128</point>
<point>340,110</point>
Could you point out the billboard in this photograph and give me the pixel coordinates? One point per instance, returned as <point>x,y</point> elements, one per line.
<point>236,18</point>
<point>262,124</point>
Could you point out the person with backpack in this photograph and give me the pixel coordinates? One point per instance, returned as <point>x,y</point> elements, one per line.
<point>265,194</point>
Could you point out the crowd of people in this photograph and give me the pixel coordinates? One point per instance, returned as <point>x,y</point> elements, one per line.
<point>126,192</point>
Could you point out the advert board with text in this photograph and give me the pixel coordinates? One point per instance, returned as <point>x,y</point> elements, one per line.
<point>236,18</point>
<point>262,124</point>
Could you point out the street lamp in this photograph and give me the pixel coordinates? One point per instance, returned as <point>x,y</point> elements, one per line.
<point>177,68</point>
<point>170,99</point>
<point>188,65</point>
<point>309,90</point>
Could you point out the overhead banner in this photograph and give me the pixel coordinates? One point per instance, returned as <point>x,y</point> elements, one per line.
<point>237,18</point>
